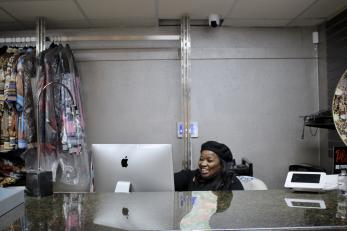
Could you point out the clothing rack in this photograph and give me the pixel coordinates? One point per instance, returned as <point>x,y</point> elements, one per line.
<point>9,40</point>
<point>40,39</point>
<point>30,39</point>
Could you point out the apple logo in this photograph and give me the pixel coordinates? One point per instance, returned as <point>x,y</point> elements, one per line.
<point>125,212</point>
<point>124,162</point>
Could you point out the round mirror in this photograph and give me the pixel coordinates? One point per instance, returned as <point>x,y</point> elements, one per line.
<point>339,107</point>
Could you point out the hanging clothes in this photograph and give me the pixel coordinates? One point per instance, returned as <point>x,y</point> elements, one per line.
<point>61,126</point>
<point>16,70</point>
<point>24,101</point>
<point>17,121</point>
<point>47,118</point>
<point>9,118</point>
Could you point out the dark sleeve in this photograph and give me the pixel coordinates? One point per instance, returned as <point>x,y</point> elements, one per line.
<point>231,182</point>
<point>236,184</point>
<point>182,180</point>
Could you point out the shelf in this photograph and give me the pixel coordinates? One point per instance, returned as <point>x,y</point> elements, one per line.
<point>321,119</point>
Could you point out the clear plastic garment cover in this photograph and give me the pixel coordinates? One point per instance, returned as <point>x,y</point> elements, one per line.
<point>62,133</point>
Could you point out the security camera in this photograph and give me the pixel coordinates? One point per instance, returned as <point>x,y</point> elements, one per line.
<point>214,20</point>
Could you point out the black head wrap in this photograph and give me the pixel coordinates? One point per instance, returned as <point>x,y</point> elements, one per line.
<point>220,149</point>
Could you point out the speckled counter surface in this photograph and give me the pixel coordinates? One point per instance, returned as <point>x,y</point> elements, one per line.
<point>271,209</point>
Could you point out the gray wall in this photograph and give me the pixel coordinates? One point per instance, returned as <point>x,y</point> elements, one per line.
<point>132,102</point>
<point>249,87</point>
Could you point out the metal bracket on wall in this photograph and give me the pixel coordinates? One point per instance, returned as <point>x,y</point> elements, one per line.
<point>185,82</point>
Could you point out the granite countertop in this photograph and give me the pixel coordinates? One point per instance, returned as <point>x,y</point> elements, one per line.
<point>273,209</point>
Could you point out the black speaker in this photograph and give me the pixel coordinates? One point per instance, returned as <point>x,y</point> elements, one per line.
<point>39,183</point>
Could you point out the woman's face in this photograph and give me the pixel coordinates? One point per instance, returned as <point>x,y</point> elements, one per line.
<point>209,164</point>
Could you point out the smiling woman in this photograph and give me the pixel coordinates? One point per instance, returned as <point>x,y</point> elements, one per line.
<point>213,172</point>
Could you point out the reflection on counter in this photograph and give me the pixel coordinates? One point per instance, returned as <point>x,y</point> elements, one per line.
<point>72,208</point>
<point>236,210</point>
<point>147,211</point>
<point>66,211</point>
<point>204,205</point>
<point>14,219</point>
<point>305,203</point>
<point>341,212</point>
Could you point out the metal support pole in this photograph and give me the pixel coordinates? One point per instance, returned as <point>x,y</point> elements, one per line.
<point>40,35</point>
<point>185,82</point>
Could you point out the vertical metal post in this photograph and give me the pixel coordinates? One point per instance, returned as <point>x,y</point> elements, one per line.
<point>40,46</point>
<point>40,35</point>
<point>185,82</point>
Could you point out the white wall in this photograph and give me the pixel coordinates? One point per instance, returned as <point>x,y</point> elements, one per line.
<point>249,87</point>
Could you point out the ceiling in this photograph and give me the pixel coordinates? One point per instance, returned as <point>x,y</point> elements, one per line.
<point>64,14</point>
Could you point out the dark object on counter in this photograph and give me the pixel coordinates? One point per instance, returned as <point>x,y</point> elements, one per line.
<point>39,183</point>
<point>305,168</point>
<point>243,169</point>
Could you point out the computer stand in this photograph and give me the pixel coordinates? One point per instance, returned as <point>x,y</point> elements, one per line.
<point>123,187</point>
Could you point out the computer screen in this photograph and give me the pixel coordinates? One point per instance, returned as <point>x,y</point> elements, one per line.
<point>148,167</point>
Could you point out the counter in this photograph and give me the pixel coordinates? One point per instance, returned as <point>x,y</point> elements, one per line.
<point>271,209</point>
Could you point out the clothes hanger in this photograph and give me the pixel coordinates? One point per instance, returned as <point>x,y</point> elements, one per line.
<point>53,45</point>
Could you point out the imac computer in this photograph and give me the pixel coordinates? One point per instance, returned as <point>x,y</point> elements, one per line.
<point>148,167</point>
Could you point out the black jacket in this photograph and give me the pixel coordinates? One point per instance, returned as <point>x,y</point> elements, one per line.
<point>188,180</point>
